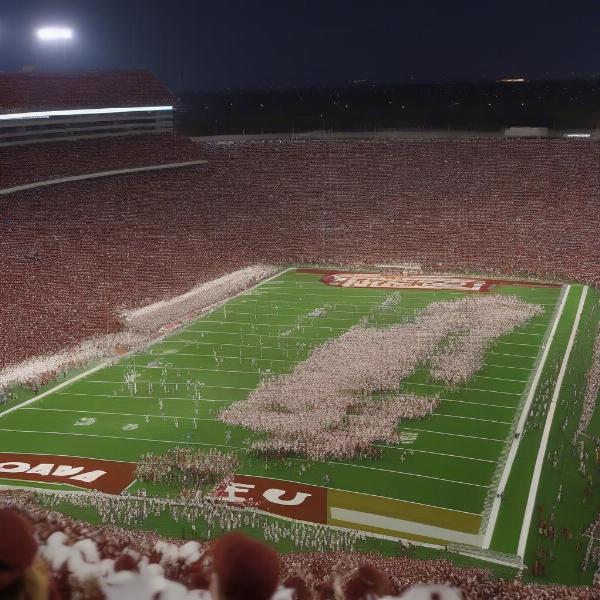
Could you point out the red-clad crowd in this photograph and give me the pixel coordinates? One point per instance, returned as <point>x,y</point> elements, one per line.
<point>45,555</point>
<point>74,255</point>
<point>41,162</point>
<point>26,91</point>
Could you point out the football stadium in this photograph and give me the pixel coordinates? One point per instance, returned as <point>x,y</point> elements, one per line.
<point>378,355</point>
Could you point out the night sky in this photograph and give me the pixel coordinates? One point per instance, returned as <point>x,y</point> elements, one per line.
<point>201,45</point>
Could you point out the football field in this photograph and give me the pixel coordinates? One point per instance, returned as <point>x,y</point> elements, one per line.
<point>442,483</point>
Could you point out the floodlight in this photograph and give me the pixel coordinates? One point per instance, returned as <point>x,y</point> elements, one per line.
<point>50,34</point>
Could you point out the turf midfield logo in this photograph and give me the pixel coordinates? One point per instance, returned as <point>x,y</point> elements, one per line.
<point>407,281</point>
<point>417,282</point>
<point>106,476</point>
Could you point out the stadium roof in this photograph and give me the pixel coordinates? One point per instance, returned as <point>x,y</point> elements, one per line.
<point>54,91</point>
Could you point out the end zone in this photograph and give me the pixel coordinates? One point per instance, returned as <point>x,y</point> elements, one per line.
<point>108,476</point>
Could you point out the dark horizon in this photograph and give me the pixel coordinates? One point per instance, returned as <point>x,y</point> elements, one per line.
<point>237,45</point>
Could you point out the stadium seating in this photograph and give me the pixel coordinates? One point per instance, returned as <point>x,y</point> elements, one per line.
<point>73,255</point>
<point>73,551</point>
<point>40,162</point>
<point>35,91</point>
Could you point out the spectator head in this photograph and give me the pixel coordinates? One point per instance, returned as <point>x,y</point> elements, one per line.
<point>20,576</point>
<point>243,569</point>
<point>368,583</point>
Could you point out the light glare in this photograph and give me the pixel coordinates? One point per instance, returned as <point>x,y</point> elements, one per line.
<point>54,33</point>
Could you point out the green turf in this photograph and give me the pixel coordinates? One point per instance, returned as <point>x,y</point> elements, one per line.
<point>472,422</point>
<point>580,497</point>
<point>269,330</point>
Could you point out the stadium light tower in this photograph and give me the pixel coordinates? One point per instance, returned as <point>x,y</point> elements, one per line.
<point>56,35</point>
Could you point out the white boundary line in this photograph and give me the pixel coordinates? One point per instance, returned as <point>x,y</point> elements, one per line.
<point>99,412</point>
<point>56,388</point>
<point>539,463</point>
<point>522,419</point>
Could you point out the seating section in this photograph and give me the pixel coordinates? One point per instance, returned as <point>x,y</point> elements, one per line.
<point>38,91</point>
<point>73,255</point>
<point>83,558</point>
<point>40,162</point>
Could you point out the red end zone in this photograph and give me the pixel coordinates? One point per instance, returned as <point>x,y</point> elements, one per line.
<point>420,282</point>
<point>284,498</point>
<point>107,476</point>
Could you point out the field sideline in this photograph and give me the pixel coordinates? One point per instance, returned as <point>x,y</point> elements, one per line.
<point>438,486</point>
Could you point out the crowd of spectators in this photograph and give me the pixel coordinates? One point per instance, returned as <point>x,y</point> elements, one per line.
<point>189,466</point>
<point>52,160</point>
<point>74,255</point>
<point>31,91</point>
<point>317,410</point>
<point>49,555</point>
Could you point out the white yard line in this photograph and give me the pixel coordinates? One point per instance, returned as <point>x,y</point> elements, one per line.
<point>118,437</point>
<point>452,434</point>
<point>241,334</point>
<point>539,463</point>
<point>294,324</point>
<point>258,298</point>
<point>512,356</point>
<point>522,419</point>
<point>404,449</point>
<point>203,399</point>
<point>442,387</point>
<point>333,464</point>
<point>472,419</point>
<point>517,344</point>
<point>137,397</point>
<point>305,346</point>
<point>176,417</point>
<point>259,372</point>
<point>409,474</point>
<point>234,387</point>
<point>169,383</point>
<point>293,361</point>
<point>120,414</point>
<point>326,298</point>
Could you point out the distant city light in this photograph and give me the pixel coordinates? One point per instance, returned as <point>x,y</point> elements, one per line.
<point>513,80</point>
<point>47,34</point>
<point>578,135</point>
